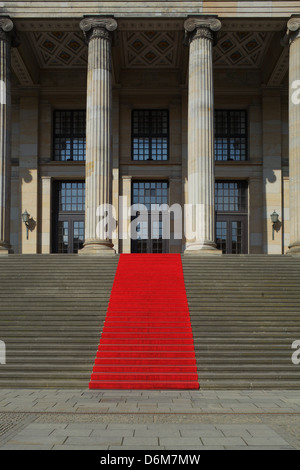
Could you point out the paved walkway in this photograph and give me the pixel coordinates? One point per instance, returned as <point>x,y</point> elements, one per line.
<point>149,420</point>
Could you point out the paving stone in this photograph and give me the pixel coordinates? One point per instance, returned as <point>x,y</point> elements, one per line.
<point>258,448</point>
<point>261,430</point>
<point>81,420</point>
<point>112,426</point>
<point>72,432</point>
<point>88,426</point>
<point>140,441</point>
<point>223,441</point>
<point>201,433</point>
<point>34,433</point>
<point>26,447</point>
<point>265,441</point>
<point>198,427</point>
<point>234,430</point>
<point>80,447</point>
<point>39,427</point>
<point>113,433</point>
<point>135,447</point>
<point>93,441</point>
<point>157,432</point>
<point>36,440</point>
<point>188,441</point>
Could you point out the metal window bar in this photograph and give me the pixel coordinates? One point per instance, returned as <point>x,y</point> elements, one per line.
<point>69,136</point>
<point>231,135</point>
<point>231,196</point>
<point>150,134</point>
<point>71,196</point>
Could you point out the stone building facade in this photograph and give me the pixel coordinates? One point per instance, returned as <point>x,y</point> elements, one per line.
<point>190,104</point>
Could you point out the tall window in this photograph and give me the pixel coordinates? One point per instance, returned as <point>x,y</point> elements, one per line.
<point>150,135</point>
<point>69,135</point>
<point>230,135</point>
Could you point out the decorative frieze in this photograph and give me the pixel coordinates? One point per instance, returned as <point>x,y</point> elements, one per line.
<point>20,69</point>
<point>280,69</point>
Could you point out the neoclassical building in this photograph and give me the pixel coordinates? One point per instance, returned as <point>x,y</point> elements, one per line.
<point>191,105</point>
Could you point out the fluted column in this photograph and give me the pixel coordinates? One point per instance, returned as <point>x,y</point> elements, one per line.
<point>200,213</point>
<point>98,33</point>
<point>6,27</point>
<point>294,133</point>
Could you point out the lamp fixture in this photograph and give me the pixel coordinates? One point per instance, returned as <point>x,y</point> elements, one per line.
<point>274,219</point>
<point>25,219</point>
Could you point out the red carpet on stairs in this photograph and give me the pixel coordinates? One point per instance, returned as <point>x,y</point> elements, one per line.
<point>147,340</point>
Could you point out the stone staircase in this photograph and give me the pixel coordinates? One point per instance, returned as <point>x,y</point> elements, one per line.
<point>245,315</point>
<point>52,309</point>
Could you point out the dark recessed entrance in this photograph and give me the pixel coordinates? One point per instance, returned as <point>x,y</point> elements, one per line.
<point>231,205</point>
<point>149,224</point>
<point>68,216</point>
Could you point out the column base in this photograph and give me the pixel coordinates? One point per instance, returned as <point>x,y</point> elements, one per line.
<point>294,249</point>
<point>98,248</point>
<point>5,248</point>
<point>202,249</point>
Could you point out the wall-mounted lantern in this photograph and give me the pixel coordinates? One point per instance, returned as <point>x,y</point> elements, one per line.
<point>274,219</point>
<point>25,219</point>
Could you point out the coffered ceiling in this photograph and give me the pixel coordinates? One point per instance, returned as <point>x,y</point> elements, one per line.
<point>241,48</point>
<point>151,49</point>
<point>57,49</point>
<point>147,44</point>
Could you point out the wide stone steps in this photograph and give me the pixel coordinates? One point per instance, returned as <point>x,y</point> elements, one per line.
<point>52,310</point>
<point>245,315</point>
<point>244,311</point>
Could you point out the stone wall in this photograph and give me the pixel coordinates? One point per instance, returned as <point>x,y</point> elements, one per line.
<point>264,135</point>
<point>133,8</point>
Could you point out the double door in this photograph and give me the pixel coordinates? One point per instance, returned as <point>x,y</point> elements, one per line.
<point>149,224</point>
<point>70,236</point>
<point>231,234</point>
<point>68,216</point>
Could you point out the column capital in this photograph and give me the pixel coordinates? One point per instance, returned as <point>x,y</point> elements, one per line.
<point>6,26</point>
<point>98,26</point>
<point>293,31</point>
<point>204,27</point>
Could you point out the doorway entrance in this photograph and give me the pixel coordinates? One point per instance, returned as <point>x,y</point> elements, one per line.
<point>231,203</point>
<point>149,224</point>
<point>68,216</point>
<point>231,234</point>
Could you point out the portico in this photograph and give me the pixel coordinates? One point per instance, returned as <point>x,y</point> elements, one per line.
<point>197,102</point>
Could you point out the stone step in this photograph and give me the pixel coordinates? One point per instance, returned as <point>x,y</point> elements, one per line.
<point>244,312</point>
<point>87,354</point>
<point>58,348</point>
<point>39,317</point>
<point>52,310</point>
<point>51,382</point>
<point>253,383</point>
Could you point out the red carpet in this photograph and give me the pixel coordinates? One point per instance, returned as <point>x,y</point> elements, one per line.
<point>147,340</point>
